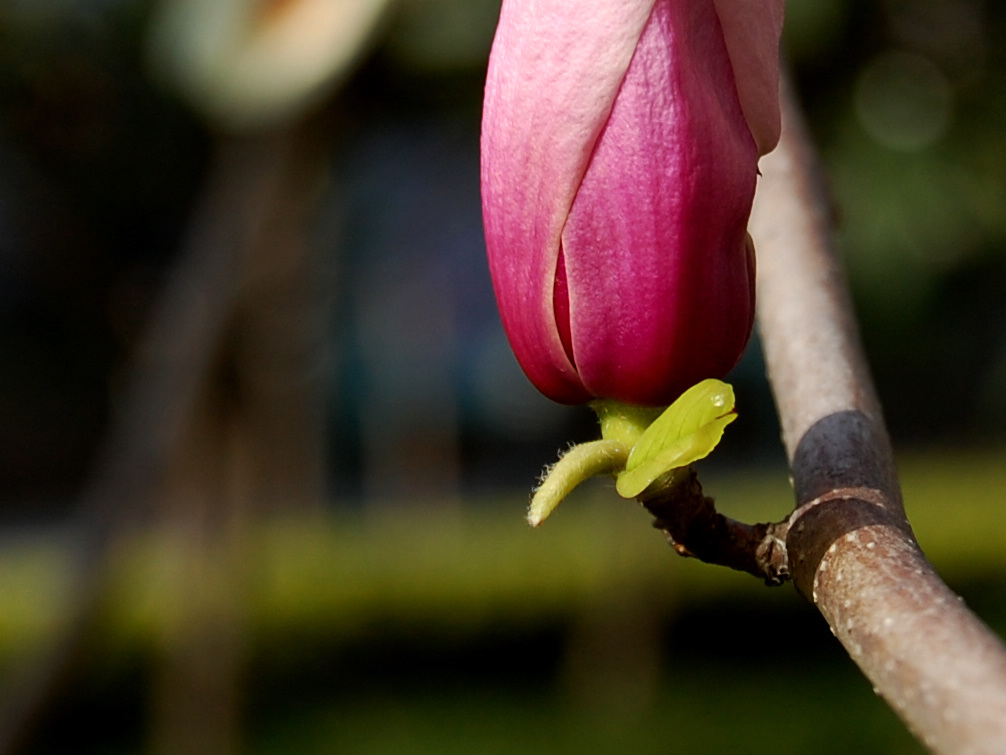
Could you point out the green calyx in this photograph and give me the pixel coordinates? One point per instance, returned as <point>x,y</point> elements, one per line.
<point>623,422</point>
<point>640,445</point>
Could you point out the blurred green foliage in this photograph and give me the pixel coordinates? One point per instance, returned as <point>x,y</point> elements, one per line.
<point>468,569</point>
<point>438,632</point>
<point>907,99</point>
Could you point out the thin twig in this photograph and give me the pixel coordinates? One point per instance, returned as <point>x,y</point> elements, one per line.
<point>692,526</point>
<point>851,549</point>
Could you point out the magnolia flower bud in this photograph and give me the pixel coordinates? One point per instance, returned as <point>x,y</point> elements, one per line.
<point>620,141</point>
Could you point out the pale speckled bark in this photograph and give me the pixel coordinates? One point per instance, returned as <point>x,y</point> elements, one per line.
<point>851,549</point>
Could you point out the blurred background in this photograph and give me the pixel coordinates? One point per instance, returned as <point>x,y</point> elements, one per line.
<point>264,452</point>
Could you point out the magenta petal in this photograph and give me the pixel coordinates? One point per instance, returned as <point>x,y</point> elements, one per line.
<point>752,31</point>
<point>554,72</point>
<point>658,269</point>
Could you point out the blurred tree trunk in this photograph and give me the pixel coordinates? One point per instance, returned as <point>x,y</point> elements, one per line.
<point>252,448</point>
<point>220,421</point>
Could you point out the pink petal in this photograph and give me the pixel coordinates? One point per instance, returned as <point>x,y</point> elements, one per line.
<point>554,72</point>
<point>658,269</point>
<point>752,29</point>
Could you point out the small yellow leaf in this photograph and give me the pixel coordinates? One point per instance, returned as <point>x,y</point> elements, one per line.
<point>688,430</point>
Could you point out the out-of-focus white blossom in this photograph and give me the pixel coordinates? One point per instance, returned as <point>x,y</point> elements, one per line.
<point>253,63</point>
